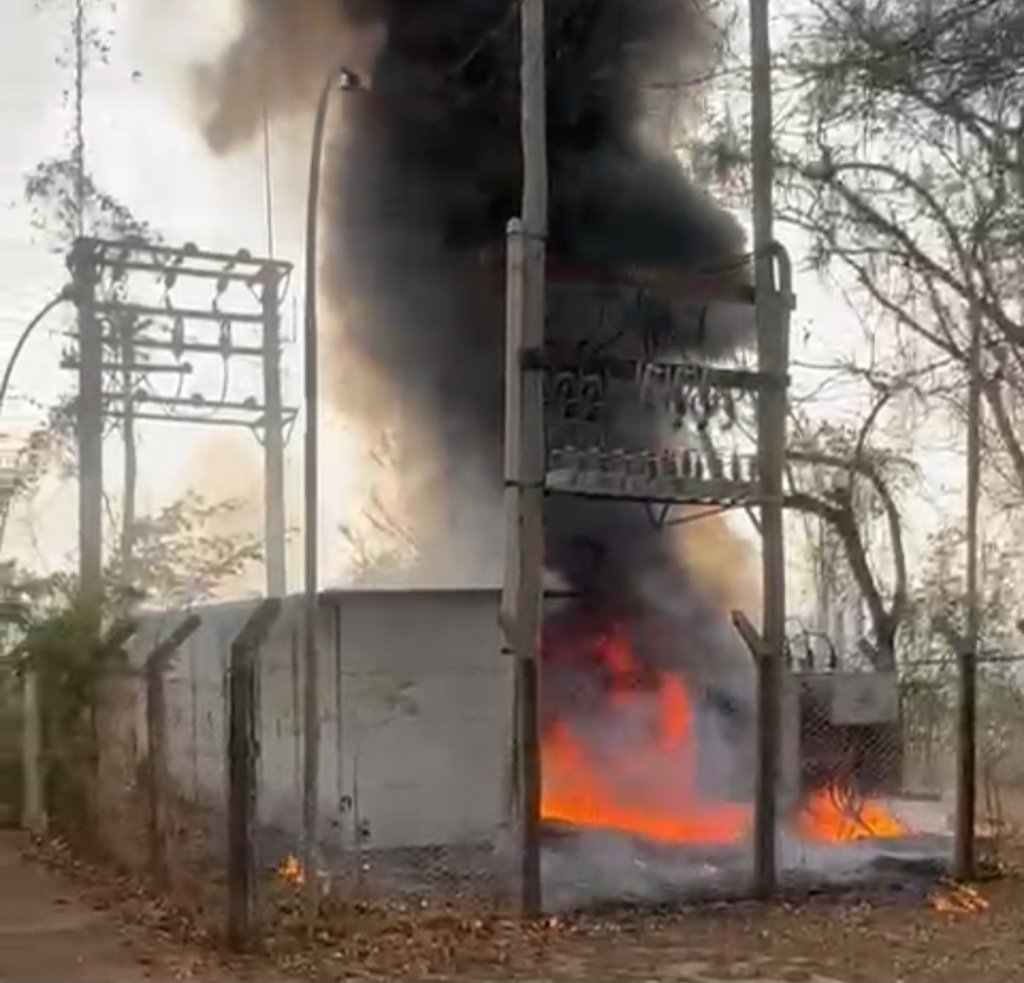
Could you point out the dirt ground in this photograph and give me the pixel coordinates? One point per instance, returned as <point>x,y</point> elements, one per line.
<point>898,935</point>
<point>52,929</point>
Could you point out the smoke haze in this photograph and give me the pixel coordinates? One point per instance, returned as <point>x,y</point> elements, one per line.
<point>423,173</point>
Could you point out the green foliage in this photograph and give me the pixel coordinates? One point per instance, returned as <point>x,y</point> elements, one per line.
<point>68,637</point>
<point>63,642</point>
<point>182,554</point>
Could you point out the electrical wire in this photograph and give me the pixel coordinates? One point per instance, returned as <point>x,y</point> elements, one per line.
<point>63,296</point>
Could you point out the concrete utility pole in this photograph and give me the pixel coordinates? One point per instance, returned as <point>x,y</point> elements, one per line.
<point>112,322</point>
<point>273,437</point>
<point>131,462</point>
<point>524,447</point>
<point>772,335</point>
<point>89,422</point>
<point>963,859</point>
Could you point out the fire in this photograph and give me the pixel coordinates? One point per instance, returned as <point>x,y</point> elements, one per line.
<point>959,897</point>
<point>623,787</point>
<point>291,871</point>
<point>640,777</point>
<point>835,815</point>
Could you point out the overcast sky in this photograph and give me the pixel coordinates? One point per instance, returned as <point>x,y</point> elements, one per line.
<point>143,146</point>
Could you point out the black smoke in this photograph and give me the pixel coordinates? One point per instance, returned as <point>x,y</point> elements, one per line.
<point>425,173</point>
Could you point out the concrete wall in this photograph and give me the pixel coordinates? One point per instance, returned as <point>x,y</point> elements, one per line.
<point>415,714</point>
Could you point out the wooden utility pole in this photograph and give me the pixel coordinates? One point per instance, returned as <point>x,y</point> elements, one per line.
<point>772,338</point>
<point>963,858</point>
<point>524,448</point>
<point>273,437</point>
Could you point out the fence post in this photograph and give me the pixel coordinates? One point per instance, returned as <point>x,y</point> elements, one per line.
<point>967,763</point>
<point>242,752</point>
<point>157,783</point>
<point>33,801</point>
<point>767,662</point>
<point>114,639</point>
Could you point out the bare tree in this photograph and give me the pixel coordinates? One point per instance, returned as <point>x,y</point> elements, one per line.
<point>901,153</point>
<point>838,477</point>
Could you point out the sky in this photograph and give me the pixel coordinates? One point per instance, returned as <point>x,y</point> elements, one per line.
<point>143,145</point>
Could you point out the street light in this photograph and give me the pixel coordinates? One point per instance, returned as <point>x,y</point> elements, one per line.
<point>341,79</point>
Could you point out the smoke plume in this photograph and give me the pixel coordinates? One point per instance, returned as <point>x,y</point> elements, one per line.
<point>424,173</point>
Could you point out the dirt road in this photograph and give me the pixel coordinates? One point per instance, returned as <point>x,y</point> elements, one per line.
<point>49,931</point>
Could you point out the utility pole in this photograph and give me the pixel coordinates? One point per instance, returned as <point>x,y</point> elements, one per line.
<point>79,42</point>
<point>773,357</point>
<point>525,465</point>
<point>139,333</point>
<point>273,437</point>
<point>963,859</point>
<point>89,423</point>
<point>131,465</point>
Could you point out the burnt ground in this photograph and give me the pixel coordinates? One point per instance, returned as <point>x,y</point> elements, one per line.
<point>864,935</point>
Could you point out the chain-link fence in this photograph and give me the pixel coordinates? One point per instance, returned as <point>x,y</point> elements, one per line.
<point>647,752</point>
<point>200,773</point>
<point>415,708</point>
<point>1001,757</point>
<point>648,767</point>
<point>874,795</point>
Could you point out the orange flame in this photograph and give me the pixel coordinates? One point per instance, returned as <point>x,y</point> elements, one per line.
<point>291,871</point>
<point>623,788</point>
<point>834,815</point>
<point>959,898</point>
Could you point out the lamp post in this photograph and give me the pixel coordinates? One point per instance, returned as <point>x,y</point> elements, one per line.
<point>33,811</point>
<point>340,79</point>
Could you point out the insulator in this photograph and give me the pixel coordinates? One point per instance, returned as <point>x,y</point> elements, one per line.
<point>178,336</point>
<point>729,408</point>
<point>225,338</point>
<point>698,467</point>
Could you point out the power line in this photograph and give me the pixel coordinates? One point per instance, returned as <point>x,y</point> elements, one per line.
<point>20,344</point>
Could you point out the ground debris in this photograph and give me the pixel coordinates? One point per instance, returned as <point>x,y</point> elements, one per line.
<point>846,936</point>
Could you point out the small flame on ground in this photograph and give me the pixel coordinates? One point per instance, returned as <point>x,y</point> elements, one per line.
<point>835,814</point>
<point>959,898</point>
<point>291,871</point>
